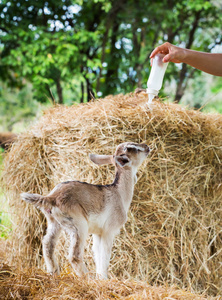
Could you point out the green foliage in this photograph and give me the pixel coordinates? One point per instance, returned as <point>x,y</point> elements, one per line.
<point>215,103</point>
<point>5,222</point>
<point>101,46</point>
<point>16,105</point>
<point>217,87</point>
<point>213,106</point>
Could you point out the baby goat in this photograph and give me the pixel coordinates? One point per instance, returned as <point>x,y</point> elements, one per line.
<point>81,208</point>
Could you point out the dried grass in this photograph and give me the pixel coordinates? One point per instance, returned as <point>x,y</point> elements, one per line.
<point>36,284</point>
<point>174,232</point>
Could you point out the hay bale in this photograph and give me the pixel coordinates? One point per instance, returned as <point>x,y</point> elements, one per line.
<point>174,231</point>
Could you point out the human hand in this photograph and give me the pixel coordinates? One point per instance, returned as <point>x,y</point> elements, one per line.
<point>172,53</point>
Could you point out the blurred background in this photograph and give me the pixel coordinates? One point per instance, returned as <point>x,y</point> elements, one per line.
<point>66,51</point>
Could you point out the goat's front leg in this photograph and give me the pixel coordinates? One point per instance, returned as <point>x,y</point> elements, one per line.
<point>102,246</point>
<point>48,245</point>
<point>96,251</point>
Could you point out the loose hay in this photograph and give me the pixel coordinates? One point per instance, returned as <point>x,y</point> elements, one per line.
<point>35,284</point>
<point>174,232</point>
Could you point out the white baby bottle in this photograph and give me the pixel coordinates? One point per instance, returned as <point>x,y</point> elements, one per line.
<point>155,79</point>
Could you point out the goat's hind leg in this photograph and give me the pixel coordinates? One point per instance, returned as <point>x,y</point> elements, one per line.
<point>78,233</point>
<point>48,245</point>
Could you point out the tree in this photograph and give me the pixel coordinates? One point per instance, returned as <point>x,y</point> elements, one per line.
<point>16,105</point>
<point>43,44</point>
<point>196,17</point>
<point>99,46</point>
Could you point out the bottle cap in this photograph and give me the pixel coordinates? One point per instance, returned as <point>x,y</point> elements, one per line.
<point>152,91</point>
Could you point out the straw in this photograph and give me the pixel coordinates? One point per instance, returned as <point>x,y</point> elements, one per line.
<point>173,234</point>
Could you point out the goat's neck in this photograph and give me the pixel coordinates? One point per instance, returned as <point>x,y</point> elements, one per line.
<point>125,180</point>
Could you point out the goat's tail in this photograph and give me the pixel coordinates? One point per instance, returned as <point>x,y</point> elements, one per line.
<point>36,199</point>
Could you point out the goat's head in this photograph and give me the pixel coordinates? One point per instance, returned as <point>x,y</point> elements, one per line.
<point>126,155</point>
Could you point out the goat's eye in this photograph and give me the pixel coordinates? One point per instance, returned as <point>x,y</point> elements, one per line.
<point>133,149</point>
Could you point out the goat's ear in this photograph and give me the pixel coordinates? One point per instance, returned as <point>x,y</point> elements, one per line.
<point>101,159</point>
<point>122,161</point>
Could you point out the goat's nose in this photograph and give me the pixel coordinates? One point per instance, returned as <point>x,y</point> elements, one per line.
<point>147,149</point>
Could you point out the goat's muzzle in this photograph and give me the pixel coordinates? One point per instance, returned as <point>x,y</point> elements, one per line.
<point>146,149</point>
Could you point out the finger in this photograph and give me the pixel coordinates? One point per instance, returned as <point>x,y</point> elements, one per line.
<point>164,48</point>
<point>167,58</point>
<point>154,52</point>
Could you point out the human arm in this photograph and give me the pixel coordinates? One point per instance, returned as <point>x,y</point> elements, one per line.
<point>208,62</point>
